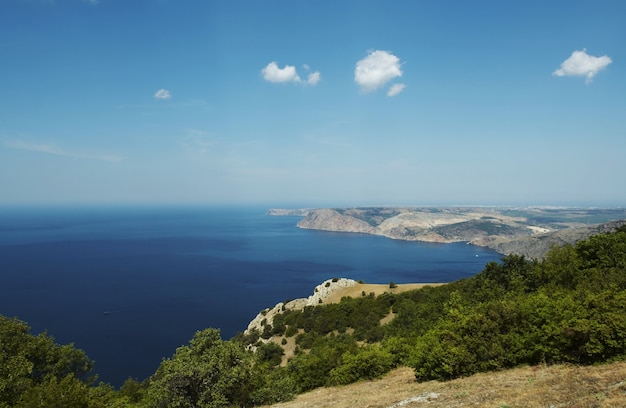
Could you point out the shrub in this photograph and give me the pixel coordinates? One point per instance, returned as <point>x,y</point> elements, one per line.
<point>365,364</point>
<point>291,331</point>
<point>270,353</point>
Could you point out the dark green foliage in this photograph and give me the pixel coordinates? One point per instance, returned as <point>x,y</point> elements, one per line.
<point>365,363</point>
<point>567,308</point>
<point>361,314</point>
<point>307,339</point>
<point>209,372</point>
<point>251,338</point>
<point>29,363</point>
<point>312,370</point>
<point>278,325</point>
<point>291,331</point>
<point>268,330</point>
<point>55,392</point>
<point>270,353</point>
<point>416,311</point>
<point>133,390</point>
<point>275,386</point>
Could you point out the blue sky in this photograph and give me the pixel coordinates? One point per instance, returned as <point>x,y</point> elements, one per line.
<point>313,103</point>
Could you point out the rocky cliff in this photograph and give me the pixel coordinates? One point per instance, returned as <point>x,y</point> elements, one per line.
<point>529,231</point>
<point>331,220</point>
<point>321,292</point>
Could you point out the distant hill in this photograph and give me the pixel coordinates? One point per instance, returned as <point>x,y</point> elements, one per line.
<point>508,230</point>
<point>538,246</point>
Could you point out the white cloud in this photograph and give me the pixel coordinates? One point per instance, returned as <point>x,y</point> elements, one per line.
<point>272,73</point>
<point>58,151</point>
<point>162,94</point>
<point>395,89</point>
<point>94,2</point>
<point>375,70</point>
<point>582,64</point>
<point>313,78</point>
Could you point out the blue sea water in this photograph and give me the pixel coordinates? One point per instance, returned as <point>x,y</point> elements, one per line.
<point>129,285</point>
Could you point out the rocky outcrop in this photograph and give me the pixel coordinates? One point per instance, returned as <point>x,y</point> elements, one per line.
<point>321,292</point>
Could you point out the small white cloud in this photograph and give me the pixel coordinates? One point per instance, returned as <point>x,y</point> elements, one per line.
<point>375,70</point>
<point>94,2</point>
<point>395,89</point>
<point>162,94</point>
<point>272,73</point>
<point>313,78</point>
<point>582,64</point>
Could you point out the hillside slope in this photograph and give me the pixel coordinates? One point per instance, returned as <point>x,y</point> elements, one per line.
<point>540,386</point>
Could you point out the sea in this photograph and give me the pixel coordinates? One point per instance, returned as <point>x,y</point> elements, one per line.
<point>128,285</point>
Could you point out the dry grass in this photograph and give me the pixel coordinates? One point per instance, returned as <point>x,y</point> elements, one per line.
<point>541,386</point>
<point>377,289</point>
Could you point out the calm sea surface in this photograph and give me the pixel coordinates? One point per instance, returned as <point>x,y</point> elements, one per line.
<point>130,285</point>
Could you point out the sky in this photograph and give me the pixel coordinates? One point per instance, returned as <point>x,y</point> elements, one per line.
<point>331,103</point>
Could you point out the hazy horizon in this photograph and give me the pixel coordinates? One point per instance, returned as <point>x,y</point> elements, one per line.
<point>352,103</point>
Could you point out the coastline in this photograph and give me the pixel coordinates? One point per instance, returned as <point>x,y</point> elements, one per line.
<point>529,231</point>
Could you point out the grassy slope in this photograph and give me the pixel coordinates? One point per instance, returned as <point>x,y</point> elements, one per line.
<point>542,386</point>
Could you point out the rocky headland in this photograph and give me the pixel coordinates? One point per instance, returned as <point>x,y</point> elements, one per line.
<point>522,231</point>
<point>320,293</point>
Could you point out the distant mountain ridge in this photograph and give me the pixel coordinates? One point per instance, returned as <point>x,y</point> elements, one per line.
<point>538,246</point>
<point>522,231</point>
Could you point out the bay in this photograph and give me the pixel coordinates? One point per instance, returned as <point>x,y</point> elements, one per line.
<point>130,284</point>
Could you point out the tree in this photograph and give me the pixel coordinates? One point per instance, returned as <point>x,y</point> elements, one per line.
<point>28,361</point>
<point>209,372</point>
<point>54,393</point>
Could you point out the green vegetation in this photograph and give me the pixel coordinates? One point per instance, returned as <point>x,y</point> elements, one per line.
<point>567,308</point>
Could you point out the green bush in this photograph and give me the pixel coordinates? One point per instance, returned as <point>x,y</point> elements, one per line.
<point>291,331</point>
<point>366,363</point>
<point>270,353</point>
